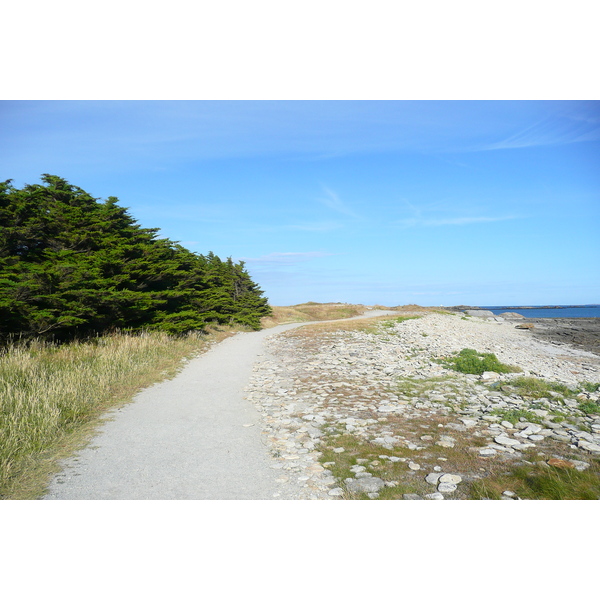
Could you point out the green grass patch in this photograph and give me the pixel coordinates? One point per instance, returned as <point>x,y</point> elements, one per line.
<point>358,451</point>
<point>514,415</point>
<point>586,386</point>
<point>541,481</point>
<point>475,363</point>
<point>539,388</point>
<point>589,407</point>
<point>393,322</point>
<point>412,386</point>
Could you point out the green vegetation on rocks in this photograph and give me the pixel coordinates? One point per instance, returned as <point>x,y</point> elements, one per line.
<point>476,363</point>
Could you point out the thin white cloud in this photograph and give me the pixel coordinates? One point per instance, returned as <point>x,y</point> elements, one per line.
<point>317,227</point>
<point>552,130</point>
<point>333,201</point>
<point>419,222</point>
<point>466,220</point>
<point>285,258</point>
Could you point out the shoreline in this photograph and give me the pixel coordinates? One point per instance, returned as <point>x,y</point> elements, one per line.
<point>581,333</point>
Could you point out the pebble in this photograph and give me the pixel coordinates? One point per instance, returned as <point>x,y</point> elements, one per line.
<point>450,478</point>
<point>446,487</point>
<point>433,478</point>
<point>347,376</point>
<point>435,496</point>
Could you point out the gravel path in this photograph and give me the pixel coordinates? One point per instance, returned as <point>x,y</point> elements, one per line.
<point>193,437</point>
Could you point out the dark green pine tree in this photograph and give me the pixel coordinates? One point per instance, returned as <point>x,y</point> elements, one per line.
<point>72,266</point>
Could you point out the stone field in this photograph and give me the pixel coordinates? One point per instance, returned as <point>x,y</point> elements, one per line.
<point>368,410</point>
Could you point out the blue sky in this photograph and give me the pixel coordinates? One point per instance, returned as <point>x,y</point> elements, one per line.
<point>390,202</point>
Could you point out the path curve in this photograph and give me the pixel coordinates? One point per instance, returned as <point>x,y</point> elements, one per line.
<point>194,437</point>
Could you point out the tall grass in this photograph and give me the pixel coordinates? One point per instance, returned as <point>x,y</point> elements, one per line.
<point>48,393</point>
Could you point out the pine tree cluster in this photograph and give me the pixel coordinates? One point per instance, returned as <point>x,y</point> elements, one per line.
<point>72,266</point>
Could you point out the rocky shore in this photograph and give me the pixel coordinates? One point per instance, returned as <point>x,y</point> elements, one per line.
<point>372,411</point>
<point>580,333</point>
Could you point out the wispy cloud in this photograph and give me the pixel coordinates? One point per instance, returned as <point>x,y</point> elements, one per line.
<point>286,258</point>
<point>333,201</point>
<point>421,222</point>
<point>552,130</point>
<point>317,227</point>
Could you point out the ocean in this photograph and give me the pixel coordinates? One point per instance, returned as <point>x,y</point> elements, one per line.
<point>550,312</point>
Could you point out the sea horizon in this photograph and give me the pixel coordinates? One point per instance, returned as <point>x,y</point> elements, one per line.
<point>549,311</point>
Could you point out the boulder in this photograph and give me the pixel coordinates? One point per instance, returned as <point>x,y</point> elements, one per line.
<point>484,314</point>
<point>511,315</point>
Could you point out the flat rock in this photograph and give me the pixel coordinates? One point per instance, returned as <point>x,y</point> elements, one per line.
<point>433,478</point>
<point>411,497</point>
<point>446,487</point>
<point>485,314</point>
<point>490,376</point>
<point>487,452</point>
<point>589,446</point>
<point>531,429</point>
<point>434,496</point>
<point>369,484</point>
<point>506,441</point>
<point>450,478</point>
<point>446,441</point>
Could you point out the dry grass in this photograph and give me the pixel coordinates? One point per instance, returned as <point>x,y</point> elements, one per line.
<point>52,398</point>
<point>312,311</point>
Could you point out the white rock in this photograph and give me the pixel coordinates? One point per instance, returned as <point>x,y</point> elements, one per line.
<point>532,429</point>
<point>446,441</point>
<point>450,478</point>
<point>434,496</point>
<point>490,376</point>
<point>433,478</point>
<point>589,446</point>
<point>446,487</point>
<point>414,466</point>
<point>487,452</point>
<point>506,441</point>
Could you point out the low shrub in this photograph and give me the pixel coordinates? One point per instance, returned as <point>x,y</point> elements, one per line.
<point>475,363</point>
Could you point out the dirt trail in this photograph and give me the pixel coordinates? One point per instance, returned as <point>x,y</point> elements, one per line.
<point>193,437</point>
